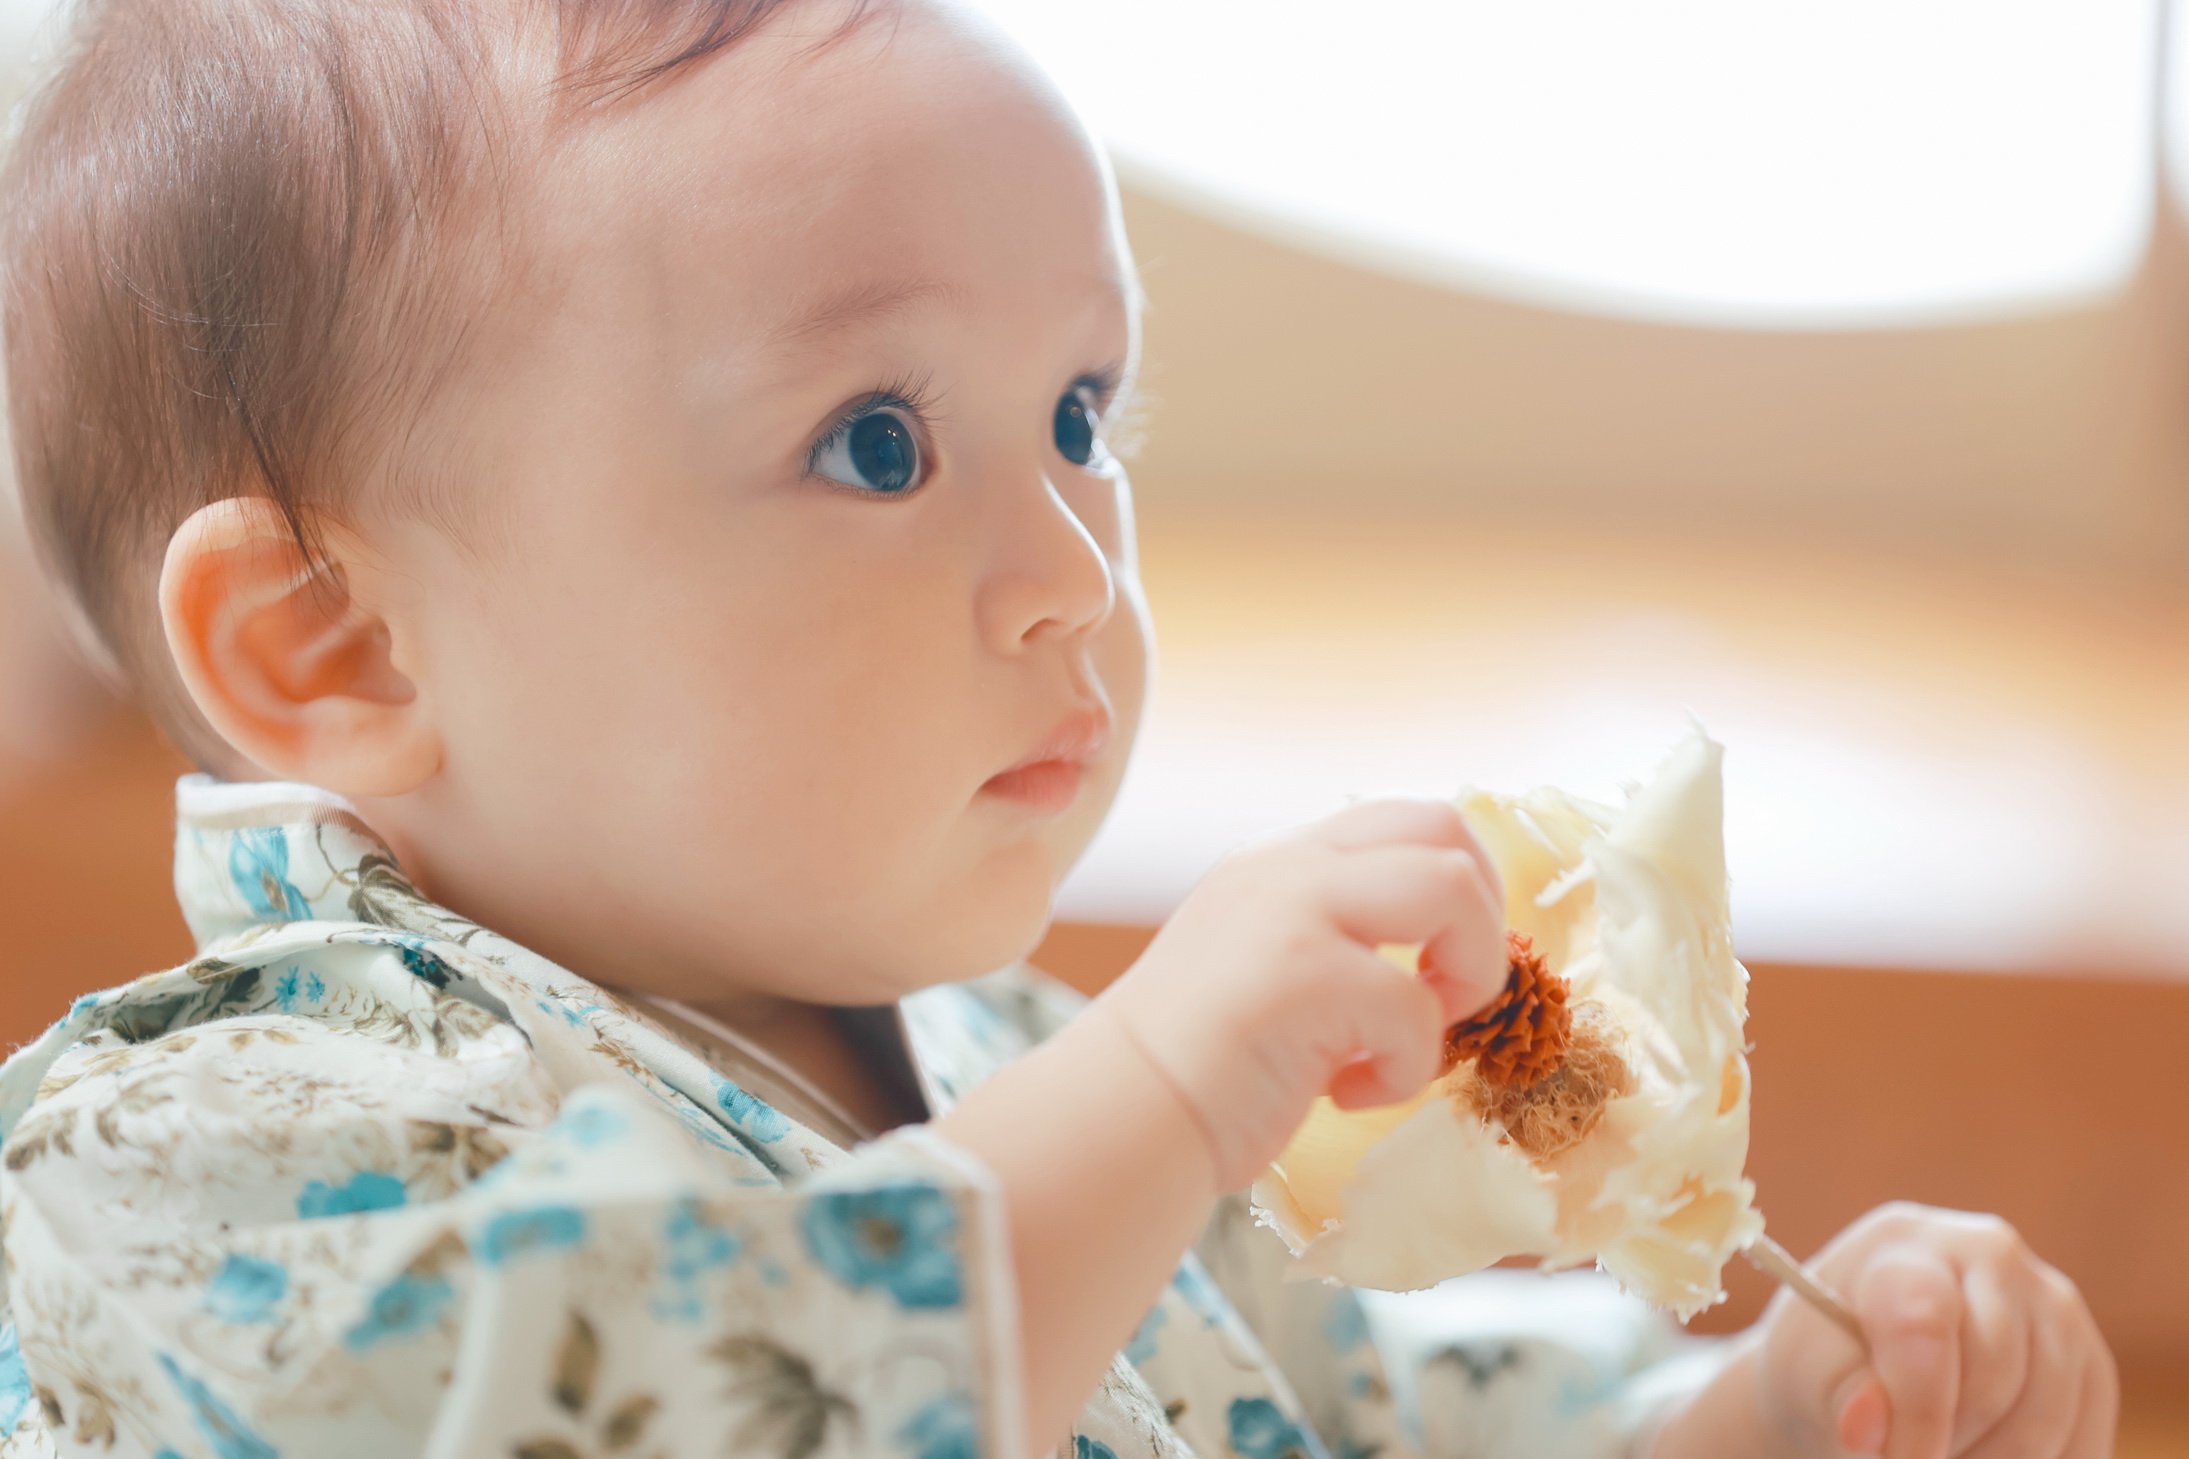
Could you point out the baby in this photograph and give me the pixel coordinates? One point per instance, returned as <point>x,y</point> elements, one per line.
<point>616,492</point>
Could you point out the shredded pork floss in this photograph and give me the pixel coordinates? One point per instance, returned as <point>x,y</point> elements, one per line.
<point>1629,905</point>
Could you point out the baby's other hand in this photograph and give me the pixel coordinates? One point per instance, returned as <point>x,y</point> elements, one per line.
<point>1265,989</point>
<point>1977,1348</point>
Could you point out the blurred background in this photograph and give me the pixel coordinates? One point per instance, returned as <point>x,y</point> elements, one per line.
<point>1524,379</point>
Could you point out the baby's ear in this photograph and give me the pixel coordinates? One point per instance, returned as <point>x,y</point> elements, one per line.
<point>287,659</point>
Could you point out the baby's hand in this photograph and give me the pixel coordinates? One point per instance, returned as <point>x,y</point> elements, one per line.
<point>1265,990</point>
<point>1976,1348</point>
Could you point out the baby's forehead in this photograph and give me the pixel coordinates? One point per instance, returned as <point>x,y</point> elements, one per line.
<point>885,171</point>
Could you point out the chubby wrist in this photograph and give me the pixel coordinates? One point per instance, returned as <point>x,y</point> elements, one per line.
<point>1727,1415</point>
<point>1169,1114</point>
<point>1090,1105</point>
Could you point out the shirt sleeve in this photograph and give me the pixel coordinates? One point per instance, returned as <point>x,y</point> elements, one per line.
<point>1500,1365</point>
<point>268,1236</point>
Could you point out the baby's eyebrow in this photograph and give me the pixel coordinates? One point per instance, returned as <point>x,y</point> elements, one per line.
<point>862,304</point>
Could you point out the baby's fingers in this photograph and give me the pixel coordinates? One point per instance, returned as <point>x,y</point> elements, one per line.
<point>1397,1039</point>
<point>1370,823</point>
<point>2097,1421</point>
<point>2061,1395</point>
<point>1909,1302</point>
<point>1424,895</point>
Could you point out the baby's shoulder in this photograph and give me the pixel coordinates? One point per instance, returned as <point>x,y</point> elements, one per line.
<point>300,1034</point>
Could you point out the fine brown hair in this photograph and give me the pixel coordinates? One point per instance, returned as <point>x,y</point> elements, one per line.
<point>243,239</point>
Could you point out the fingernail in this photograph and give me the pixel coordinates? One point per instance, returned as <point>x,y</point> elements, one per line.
<point>1866,1420</point>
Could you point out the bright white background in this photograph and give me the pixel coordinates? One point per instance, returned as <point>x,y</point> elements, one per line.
<point>1835,163</point>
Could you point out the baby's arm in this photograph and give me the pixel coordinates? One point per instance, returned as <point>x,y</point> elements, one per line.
<point>1976,1348</point>
<point>1191,1072</point>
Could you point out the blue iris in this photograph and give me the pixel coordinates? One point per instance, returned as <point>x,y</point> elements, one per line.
<point>883,450</point>
<point>899,1237</point>
<point>877,450</point>
<point>1074,427</point>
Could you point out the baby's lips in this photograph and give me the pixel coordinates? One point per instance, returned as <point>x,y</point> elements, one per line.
<point>1079,738</point>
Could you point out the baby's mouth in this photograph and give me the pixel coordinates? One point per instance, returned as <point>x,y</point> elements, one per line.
<point>1048,780</point>
<point>1046,785</point>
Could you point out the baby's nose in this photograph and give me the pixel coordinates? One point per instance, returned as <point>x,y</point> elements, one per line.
<point>1049,578</point>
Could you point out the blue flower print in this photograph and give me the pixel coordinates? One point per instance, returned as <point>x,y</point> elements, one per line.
<point>296,986</point>
<point>902,1237</point>
<point>1143,1345</point>
<point>1260,1430</point>
<point>588,1125</point>
<point>1193,1283</point>
<point>756,1118</point>
<point>401,1307</point>
<point>944,1429</point>
<point>368,1190</point>
<point>692,1245</point>
<point>1086,1448</point>
<point>423,965</point>
<point>707,1129</point>
<point>258,865</point>
<point>14,1380</point>
<point>1345,1325</point>
<point>229,1435</point>
<point>246,1289</point>
<point>524,1233</point>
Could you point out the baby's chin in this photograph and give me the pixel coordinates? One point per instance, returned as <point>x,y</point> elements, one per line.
<point>990,920</point>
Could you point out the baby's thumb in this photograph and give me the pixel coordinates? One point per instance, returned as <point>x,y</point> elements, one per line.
<point>1865,1414</point>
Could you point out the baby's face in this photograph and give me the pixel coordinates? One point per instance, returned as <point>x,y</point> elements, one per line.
<point>797,648</point>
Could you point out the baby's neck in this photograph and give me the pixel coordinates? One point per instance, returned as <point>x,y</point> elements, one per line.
<point>805,1036</point>
<point>813,1040</point>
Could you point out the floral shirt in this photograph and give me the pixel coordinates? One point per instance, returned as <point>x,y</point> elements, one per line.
<point>363,1178</point>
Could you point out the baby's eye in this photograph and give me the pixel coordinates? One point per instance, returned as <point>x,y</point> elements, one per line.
<point>878,452</point>
<point>1078,428</point>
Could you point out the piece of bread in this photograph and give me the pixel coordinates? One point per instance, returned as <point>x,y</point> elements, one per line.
<point>1629,1154</point>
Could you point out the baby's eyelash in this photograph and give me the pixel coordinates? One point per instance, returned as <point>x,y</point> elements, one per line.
<point>1102,384</point>
<point>908,395</point>
<point>1123,408</point>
